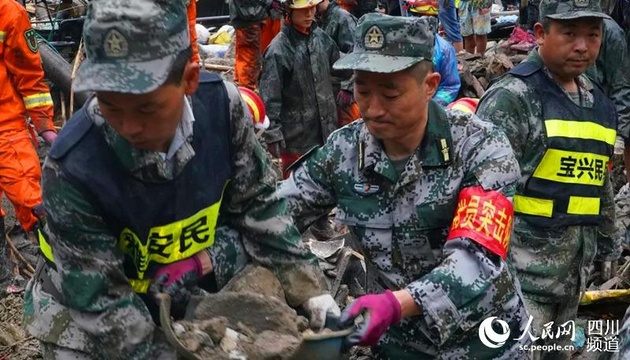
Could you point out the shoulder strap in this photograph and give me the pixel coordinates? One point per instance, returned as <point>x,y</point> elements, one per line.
<point>524,69</point>
<point>76,128</point>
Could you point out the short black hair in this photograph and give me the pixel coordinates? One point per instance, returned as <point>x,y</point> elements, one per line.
<point>421,69</point>
<point>546,24</point>
<point>177,69</point>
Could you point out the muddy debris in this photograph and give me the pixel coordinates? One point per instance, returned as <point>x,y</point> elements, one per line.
<point>221,328</point>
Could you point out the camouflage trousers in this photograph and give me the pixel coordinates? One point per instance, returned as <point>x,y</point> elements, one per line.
<point>558,316</point>
<point>54,352</point>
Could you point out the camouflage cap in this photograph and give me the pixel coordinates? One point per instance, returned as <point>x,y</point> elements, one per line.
<point>571,9</point>
<point>131,45</point>
<point>387,44</point>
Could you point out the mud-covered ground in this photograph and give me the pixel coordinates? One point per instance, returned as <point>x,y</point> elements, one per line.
<point>14,344</point>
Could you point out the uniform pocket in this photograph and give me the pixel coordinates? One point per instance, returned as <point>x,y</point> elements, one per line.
<point>366,212</point>
<point>436,214</point>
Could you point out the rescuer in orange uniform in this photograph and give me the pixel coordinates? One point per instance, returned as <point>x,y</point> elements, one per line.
<point>191,14</point>
<point>252,38</point>
<point>23,92</point>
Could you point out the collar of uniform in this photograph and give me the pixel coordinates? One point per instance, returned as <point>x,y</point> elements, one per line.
<point>372,156</point>
<point>184,132</point>
<point>435,150</point>
<point>295,30</point>
<point>583,81</point>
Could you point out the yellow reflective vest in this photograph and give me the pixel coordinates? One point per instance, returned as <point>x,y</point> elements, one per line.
<point>566,185</point>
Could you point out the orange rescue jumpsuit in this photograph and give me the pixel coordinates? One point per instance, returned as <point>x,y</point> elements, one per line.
<point>22,91</point>
<point>192,20</point>
<point>347,5</point>
<point>251,42</point>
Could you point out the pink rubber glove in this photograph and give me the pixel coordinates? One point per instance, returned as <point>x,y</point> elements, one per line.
<point>178,280</point>
<point>381,311</point>
<point>189,269</point>
<point>49,136</point>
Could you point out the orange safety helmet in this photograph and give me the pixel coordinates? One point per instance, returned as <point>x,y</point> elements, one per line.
<point>256,108</point>
<point>467,105</point>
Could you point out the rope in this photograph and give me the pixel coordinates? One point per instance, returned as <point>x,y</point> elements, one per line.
<point>77,61</point>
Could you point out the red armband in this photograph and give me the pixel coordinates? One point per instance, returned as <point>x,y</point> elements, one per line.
<point>485,217</point>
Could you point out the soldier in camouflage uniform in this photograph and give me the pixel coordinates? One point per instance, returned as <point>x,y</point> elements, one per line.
<point>400,178</point>
<point>562,129</point>
<point>610,71</point>
<point>157,185</point>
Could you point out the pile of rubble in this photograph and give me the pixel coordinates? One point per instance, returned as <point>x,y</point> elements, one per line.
<point>220,329</point>
<point>476,71</point>
<point>216,327</point>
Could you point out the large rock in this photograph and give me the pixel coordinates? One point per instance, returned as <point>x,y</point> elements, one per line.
<point>256,279</point>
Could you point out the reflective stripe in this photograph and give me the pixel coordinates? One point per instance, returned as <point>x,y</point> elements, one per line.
<point>44,246</point>
<point>3,35</point>
<point>533,206</point>
<point>579,205</point>
<point>140,286</point>
<point>200,219</point>
<point>172,242</point>
<point>572,167</point>
<point>37,100</point>
<point>580,130</point>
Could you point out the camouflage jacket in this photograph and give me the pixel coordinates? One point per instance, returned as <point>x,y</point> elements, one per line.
<point>610,72</point>
<point>296,87</point>
<point>550,263</point>
<point>402,221</point>
<point>339,25</point>
<point>99,314</point>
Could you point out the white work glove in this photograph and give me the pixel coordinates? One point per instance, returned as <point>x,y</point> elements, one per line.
<point>318,308</point>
